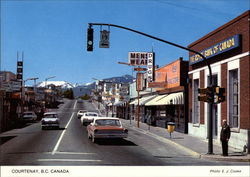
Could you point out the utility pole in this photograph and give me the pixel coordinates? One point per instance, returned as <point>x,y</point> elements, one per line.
<point>210,104</point>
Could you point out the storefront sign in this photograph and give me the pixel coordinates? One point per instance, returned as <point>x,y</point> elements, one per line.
<point>216,49</point>
<point>167,76</point>
<point>139,82</point>
<point>150,68</point>
<point>138,58</point>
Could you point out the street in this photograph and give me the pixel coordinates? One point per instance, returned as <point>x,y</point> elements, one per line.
<point>70,146</point>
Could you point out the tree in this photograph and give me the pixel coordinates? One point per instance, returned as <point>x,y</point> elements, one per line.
<point>69,94</point>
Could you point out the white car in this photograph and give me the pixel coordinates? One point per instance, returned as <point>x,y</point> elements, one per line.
<point>29,116</point>
<point>50,119</point>
<point>80,113</point>
<point>88,117</point>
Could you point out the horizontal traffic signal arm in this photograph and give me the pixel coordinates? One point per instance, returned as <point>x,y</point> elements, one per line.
<point>156,38</point>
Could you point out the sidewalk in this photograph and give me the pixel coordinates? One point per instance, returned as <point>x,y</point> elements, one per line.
<point>195,146</point>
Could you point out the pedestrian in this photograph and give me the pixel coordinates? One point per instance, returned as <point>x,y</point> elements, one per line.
<point>224,137</point>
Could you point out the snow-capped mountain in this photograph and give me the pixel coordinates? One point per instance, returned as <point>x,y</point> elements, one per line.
<point>62,84</point>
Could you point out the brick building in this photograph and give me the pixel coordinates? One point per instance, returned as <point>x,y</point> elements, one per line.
<point>227,51</point>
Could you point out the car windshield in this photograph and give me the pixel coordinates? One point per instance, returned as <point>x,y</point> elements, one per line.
<point>108,122</point>
<point>91,114</point>
<point>50,116</point>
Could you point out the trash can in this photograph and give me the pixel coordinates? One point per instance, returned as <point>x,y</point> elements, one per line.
<point>171,126</point>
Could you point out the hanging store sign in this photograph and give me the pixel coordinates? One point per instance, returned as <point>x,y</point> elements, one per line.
<point>221,47</point>
<point>150,67</point>
<point>11,86</point>
<point>104,42</point>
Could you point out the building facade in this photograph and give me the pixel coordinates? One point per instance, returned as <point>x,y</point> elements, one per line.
<point>171,96</point>
<point>227,51</point>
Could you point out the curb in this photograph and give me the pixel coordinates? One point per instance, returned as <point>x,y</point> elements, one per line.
<point>215,157</point>
<point>221,158</point>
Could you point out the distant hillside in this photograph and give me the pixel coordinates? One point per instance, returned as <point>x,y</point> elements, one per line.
<point>62,84</point>
<point>120,79</point>
<point>81,90</point>
<point>87,88</point>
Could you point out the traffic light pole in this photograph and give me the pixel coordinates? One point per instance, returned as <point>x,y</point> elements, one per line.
<point>210,122</point>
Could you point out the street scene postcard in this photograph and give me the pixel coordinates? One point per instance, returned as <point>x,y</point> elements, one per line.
<point>125,88</point>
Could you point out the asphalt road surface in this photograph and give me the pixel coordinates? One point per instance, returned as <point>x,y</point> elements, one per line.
<point>70,145</point>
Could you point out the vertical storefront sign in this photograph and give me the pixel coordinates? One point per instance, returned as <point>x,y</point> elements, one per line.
<point>150,67</point>
<point>139,81</point>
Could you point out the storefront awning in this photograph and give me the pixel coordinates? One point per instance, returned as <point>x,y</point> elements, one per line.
<point>143,100</point>
<point>119,103</point>
<point>174,98</point>
<point>154,102</point>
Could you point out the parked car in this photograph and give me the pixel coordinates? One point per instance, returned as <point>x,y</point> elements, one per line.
<point>29,116</point>
<point>88,117</point>
<point>80,113</point>
<point>50,119</point>
<point>106,127</point>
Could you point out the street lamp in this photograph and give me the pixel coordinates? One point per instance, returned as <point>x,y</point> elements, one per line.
<point>98,92</point>
<point>23,91</point>
<point>46,79</point>
<point>138,91</point>
<point>34,79</point>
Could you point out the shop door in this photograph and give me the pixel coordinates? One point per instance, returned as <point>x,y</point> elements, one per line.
<point>215,109</point>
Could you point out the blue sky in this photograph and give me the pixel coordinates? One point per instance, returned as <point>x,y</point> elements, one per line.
<point>52,33</point>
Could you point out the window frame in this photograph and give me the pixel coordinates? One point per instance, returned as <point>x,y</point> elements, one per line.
<point>230,98</point>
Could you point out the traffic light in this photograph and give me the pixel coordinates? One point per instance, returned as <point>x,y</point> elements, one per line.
<point>206,94</point>
<point>90,41</point>
<point>219,94</point>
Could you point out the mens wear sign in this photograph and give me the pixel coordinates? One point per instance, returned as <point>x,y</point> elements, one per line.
<point>143,59</point>
<point>138,58</point>
<point>217,49</point>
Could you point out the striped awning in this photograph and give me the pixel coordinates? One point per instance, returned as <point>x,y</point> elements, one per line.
<point>173,98</point>
<point>143,100</point>
<point>154,102</point>
<point>119,103</point>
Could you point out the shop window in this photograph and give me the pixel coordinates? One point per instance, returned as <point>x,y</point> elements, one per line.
<point>233,98</point>
<point>196,110</point>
